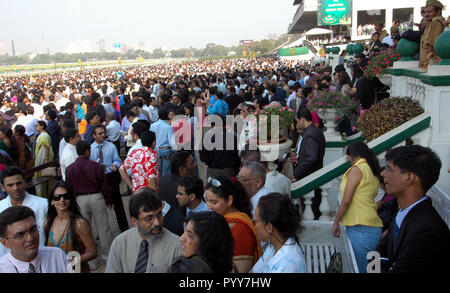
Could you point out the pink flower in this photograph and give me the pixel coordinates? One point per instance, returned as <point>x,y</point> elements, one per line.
<point>354,128</point>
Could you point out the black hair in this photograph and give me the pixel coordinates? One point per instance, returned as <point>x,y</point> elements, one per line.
<point>422,161</point>
<point>189,265</point>
<point>68,123</point>
<point>163,114</point>
<point>97,127</point>
<point>51,114</point>
<point>177,160</point>
<point>12,171</point>
<point>146,200</point>
<point>360,149</point>
<point>74,215</point>
<point>130,114</point>
<point>12,215</point>
<point>82,147</point>
<point>304,113</point>
<point>307,90</point>
<point>19,129</point>
<point>69,133</point>
<point>227,187</point>
<point>215,239</point>
<point>278,209</point>
<point>138,128</point>
<point>90,115</point>
<point>42,124</point>
<point>192,184</point>
<point>147,138</point>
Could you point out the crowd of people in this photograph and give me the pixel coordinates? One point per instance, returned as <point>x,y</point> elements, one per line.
<point>108,127</point>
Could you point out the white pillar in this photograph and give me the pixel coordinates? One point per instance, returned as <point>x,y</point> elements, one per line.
<point>389,19</point>
<point>324,205</point>
<point>354,20</point>
<point>308,213</point>
<point>417,17</point>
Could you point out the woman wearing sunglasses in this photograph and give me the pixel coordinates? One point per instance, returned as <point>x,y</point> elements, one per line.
<point>228,198</point>
<point>66,228</point>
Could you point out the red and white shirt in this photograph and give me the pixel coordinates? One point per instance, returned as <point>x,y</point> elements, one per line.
<point>144,165</point>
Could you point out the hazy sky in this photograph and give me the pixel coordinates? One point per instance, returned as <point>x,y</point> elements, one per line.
<point>42,24</point>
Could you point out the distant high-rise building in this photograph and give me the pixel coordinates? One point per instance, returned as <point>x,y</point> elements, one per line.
<point>101,46</point>
<point>2,48</point>
<point>13,48</point>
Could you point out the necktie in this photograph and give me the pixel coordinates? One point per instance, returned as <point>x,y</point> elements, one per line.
<point>31,269</point>
<point>100,154</point>
<point>395,233</point>
<point>141,263</point>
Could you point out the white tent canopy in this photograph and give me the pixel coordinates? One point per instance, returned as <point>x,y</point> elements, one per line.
<point>318,31</point>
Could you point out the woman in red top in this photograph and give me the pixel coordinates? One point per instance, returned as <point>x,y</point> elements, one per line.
<point>228,198</point>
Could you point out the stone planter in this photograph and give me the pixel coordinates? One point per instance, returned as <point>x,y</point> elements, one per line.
<point>329,115</point>
<point>274,149</point>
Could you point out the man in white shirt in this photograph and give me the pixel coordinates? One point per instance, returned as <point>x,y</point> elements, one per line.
<point>66,124</point>
<point>138,129</point>
<point>19,232</point>
<point>13,181</point>
<point>152,110</point>
<point>276,181</point>
<point>292,96</point>
<point>38,109</point>
<point>253,178</point>
<point>69,155</point>
<point>113,130</point>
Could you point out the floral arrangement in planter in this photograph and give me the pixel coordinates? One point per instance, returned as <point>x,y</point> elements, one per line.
<point>346,107</point>
<point>264,117</point>
<point>379,64</point>
<point>387,115</point>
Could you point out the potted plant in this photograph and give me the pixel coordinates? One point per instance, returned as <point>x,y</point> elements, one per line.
<point>334,107</point>
<point>387,115</point>
<point>262,125</point>
<point>378,65</point>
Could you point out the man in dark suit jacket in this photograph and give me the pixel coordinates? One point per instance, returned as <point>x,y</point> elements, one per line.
<point>310,153</point>
<point>418,239</point>
<point>232,99</point>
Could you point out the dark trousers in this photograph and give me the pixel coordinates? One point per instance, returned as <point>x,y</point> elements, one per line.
<point>114,181</point>
<point>316,200</point>
<point>117,144</point>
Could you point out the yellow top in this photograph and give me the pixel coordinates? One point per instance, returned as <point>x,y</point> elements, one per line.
<point>362,209</point>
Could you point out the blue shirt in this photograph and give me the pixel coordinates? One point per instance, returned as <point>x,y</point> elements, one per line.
<point>212,100</point>
<point>220,107</point>
<point>125,124</point>
<point>88,134</point>
<point>202,207</point>
<point>110,155</point>
<point>163,132</point>
<point>122,100</point>
<point>402,213</point>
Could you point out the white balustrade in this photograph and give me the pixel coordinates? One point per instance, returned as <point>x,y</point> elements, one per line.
<point>308,213</point>
<point>324,205</point>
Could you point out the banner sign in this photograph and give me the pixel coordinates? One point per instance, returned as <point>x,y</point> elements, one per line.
<point>334,12</point>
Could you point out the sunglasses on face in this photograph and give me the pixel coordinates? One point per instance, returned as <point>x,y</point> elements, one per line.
<point>66,196</point>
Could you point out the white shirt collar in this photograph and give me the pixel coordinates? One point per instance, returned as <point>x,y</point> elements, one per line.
<point>22,267</point>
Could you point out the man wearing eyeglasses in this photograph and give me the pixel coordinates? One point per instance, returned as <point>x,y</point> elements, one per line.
<point>19,232</point>
<point>148,247</point>
<point>13,181</point>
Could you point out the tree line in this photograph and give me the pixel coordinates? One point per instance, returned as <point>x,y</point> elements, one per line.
<point>211,50</point>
